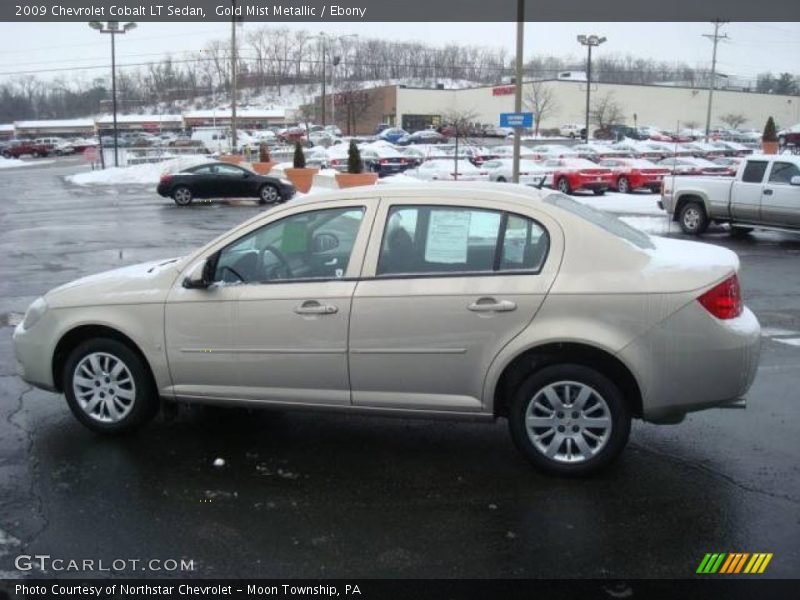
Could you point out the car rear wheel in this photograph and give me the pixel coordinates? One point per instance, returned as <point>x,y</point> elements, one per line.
<point>693,219</point>
<point>182,195</point>
<point>501,179</point>
<point>563,186</point>
<point>109,387</point>
<point>35,154</point>
<point>268,194</point>
<point>623,185</point>
<point>569,419</point>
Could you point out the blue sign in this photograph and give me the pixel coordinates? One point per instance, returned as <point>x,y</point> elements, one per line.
<point>516,120</point>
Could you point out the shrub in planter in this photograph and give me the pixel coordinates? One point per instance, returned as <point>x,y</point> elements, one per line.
<point>264,164</point>
<point>355,175</point>
<point>769,141</point>
<point>301,176</point>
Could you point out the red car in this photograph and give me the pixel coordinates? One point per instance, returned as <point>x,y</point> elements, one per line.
<point>17,148</point>
<point>574,174</point>
<point>635,174</point>
<point>730,162</point>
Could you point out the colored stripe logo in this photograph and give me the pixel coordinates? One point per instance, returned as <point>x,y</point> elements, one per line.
<point>734,562</point>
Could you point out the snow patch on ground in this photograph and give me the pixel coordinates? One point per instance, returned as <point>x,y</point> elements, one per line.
<point>626,204</point>
<point>144,174</point>
<point>12,163</point>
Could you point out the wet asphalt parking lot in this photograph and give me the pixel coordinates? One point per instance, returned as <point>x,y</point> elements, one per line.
<point>321,495</point>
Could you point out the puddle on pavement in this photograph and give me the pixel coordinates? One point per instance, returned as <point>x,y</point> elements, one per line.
<point>11,319</point>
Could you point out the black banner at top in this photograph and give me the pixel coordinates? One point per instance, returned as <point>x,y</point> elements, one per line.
<point>442,11</point>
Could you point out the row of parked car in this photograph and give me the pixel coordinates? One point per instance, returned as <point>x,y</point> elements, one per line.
<point>596,167</point>
<point>44,146</point>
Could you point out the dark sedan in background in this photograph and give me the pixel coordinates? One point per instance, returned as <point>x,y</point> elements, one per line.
<point>223,180</point>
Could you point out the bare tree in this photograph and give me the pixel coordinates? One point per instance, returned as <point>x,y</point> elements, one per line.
<point>733,120</point>
<point>541,100</point>
<point>691,124</point>
<point>460,122</point>
<point>355,101</point>
<point>606,111</point>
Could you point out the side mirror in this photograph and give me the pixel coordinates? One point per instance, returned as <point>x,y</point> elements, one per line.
<point>795,180</point>
<point>199,277</point>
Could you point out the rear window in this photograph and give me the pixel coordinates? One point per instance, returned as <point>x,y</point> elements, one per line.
<point>603,220</point>
<point>754,171</point>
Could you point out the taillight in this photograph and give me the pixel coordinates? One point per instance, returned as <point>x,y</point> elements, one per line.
<point>724,300</point>
<point>336,161</point>
<point>166,178</point>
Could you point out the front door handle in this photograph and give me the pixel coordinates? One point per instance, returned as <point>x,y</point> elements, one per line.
<point>312,307</point>
<point>491,305</point>
<point>768,192</point>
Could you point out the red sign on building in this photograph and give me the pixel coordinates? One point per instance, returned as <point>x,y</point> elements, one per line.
<point>504,90</point>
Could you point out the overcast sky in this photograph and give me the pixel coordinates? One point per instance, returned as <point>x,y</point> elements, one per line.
<point>753,47</point>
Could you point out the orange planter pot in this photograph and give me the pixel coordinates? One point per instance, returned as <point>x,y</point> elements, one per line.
<point>262,168</point>
<point>769,147</point>
<point>302,178</point>
<point>346,180</point>
<point>231,158</point>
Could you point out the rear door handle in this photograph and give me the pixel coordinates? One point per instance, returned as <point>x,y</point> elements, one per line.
<point>492,305</point>
<point>312,307</point>
<point>768,192</point>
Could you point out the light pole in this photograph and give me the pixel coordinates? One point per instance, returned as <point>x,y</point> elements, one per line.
<point>324,51</point>
<point>590,41</point>
<point>113,29</point>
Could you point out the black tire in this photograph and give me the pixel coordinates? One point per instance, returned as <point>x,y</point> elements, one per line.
<point>6,154</point>
<point>564,186</point>
<point>598,192</point>
<point>603,394</point>
<point>692,218</point>
<point>139,409</point>
<point>624,185</point>
<point>737,231</point>
<point>501,180</point>
<point>268,194</point>
<point>182,195</point>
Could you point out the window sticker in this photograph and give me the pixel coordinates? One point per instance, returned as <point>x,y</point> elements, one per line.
<point>448,237</point>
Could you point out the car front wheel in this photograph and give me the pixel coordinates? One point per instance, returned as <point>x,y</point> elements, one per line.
<point>569,419</point>
<point>268,194</point>
<point>563,186</point>
<point>108,386</point>
<point>182,195</point>
<point>623,185</point>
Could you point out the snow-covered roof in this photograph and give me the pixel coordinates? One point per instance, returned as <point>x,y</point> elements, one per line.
<point>6,127</point>
<point>245,113</point>
<point>140,119</point>
<point>65,123</point>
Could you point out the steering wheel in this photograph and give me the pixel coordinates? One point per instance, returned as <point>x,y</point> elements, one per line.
<point>275,271</point>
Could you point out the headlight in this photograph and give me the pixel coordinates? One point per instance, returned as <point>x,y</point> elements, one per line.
<point>35,311</point>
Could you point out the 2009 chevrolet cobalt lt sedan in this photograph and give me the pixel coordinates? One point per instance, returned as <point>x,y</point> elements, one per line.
<point>472,301</point>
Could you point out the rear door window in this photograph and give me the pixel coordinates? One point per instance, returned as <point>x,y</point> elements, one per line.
<point>754,171</point>
<point>782,172</point>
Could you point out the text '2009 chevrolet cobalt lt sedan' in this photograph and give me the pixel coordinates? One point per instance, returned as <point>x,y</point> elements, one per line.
<point>472,301</point>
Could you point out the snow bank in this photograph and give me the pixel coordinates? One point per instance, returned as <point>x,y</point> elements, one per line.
<point>626,204</point>
<point>144,174</point>
<point>10,163</point>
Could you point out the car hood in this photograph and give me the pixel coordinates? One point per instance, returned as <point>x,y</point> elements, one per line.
<point>143,283</point>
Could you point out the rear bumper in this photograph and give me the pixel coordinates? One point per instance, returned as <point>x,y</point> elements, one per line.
<point>162,190</point>
<point>594,185</point>
<point>692,361</point>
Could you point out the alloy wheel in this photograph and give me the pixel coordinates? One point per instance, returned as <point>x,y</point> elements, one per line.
<point>691,219</point>
<point>104,388</point>
<point>568,422</point>
<point>182,196</point>
<point>269,193</point>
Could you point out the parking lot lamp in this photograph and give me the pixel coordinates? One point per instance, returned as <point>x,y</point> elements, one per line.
<point>589,41</point>
<point>113,29</point>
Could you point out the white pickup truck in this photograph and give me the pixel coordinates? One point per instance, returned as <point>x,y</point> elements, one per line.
<point>764,194</point>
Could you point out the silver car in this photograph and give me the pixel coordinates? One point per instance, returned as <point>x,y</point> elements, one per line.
<point>463,301</point>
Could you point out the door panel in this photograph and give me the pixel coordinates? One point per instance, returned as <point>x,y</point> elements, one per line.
<point>425,340</point>
<point>780,204</point>
<point>746,193</point>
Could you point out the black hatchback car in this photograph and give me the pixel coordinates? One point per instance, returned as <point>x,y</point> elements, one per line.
<point>223,180</point>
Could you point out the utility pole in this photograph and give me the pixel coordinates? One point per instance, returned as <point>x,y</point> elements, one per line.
<point>518,87</point>
<point>233,78</point>
<point>322,37</point>
<point>716,37</point>
<point>590,41</point>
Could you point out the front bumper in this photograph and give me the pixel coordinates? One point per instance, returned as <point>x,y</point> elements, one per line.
<point>33,357</point>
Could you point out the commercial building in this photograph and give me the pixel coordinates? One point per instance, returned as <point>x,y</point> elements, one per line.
<point>667,107</point>
<point>148,123</point>
<point>44,128</point>
<point>246,118</point>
